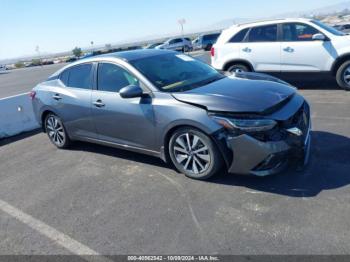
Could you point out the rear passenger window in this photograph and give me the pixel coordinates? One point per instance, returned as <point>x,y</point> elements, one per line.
<point>263,34</point>
<point>239,37</point>
<point>64,77</point>
<point>77,76</point>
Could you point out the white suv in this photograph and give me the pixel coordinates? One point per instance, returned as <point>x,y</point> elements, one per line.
<point>284,46</point>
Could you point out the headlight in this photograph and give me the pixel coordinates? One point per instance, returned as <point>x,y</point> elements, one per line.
<point>245,125</point>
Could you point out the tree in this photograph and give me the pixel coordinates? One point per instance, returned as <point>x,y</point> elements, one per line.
<point>77,52</point>
<point>36,62</point>
<point>19,64</point>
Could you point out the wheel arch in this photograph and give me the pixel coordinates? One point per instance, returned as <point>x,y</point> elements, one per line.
<point>238,61</point>
<point>224,152</point>
<point>43,116</point>
<point>338,62</point>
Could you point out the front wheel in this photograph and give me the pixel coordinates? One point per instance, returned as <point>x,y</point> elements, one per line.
<point>343,76</point>
<point>238,68</point>
<point>56,131</point>
<point>194,154</point>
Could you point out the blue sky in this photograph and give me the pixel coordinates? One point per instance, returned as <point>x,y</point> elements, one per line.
<point>56,25</point>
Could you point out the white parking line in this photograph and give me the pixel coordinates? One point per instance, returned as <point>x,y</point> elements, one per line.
<point>58,237</point>
<point>3,98</point>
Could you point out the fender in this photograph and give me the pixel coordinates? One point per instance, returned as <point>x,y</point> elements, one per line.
<point>339,61</point>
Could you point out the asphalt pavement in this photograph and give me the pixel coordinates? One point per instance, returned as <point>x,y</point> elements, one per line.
<point>19,81</point>
<point>91,198</point>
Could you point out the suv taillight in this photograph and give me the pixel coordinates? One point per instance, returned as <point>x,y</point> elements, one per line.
<point>212,51</point>
<point>32,94</point>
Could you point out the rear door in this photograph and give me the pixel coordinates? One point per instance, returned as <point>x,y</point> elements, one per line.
<point>300,53</point>
<point>118,120</point>
<point>262,48</point>
<point>73,101</point>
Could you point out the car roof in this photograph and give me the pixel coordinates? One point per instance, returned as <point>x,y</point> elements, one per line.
<point>271,21</point>
<point>136,54</point>
<point>126,56</point>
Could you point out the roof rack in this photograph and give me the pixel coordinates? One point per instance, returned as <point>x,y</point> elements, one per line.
<point>267,20</point>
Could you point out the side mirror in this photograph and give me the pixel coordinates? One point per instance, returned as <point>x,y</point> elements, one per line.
<point>319,37</point>
<point>131,91</point>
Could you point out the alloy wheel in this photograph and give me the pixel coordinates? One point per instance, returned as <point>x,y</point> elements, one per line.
<point>192,153</point>
<point>55,131</point>
<point>346,75</point>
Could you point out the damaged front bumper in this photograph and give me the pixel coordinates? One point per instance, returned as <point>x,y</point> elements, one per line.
<point>251,156</point>
<point>262,157</point>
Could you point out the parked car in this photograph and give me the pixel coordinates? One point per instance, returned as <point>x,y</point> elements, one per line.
<point>71,59</point>
<point>152,46</point>
<point>189,114</point>
<point>177,44</point>
<point>205,42</point>
<point>344,28</point>
<point>3,68</point>
<point>299,46</point>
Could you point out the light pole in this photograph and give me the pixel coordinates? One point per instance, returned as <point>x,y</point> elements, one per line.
<point>37,49</point>
<point>181,23</point>
<point>92,46</point>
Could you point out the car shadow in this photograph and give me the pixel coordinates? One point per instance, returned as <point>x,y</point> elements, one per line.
<point>119,153</point>
<point>312,84</point>
<point>329,168</point>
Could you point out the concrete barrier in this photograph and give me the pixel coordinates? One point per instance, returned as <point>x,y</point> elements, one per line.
<point>16,115</point>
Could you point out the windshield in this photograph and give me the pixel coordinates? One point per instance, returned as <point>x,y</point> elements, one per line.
<point>328,28</point>
<point>176,72</point>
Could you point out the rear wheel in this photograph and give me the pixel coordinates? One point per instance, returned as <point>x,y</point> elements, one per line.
<point>56,131</point>
<point>238,68</point>
<point>343,76</point>
<point>194,154</point>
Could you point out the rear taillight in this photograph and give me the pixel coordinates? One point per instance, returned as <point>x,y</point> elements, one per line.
<point>32,94</point>
<point>212,51</point>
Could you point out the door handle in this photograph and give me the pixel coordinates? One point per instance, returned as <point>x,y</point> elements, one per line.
<point>99,103</point>
<point>288,49</point>
<point>247,50</point>
<point>56,97</point>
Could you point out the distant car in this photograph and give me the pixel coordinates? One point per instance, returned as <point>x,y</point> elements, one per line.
<point>87,55</point>
<point>71,59</point>
<point>180,109</point>
<point>152,46</point>
<point>3,68</point>
<point>300,46</point>
<point>205,42</point>
<point>177,44</point>
<point>344,28</point>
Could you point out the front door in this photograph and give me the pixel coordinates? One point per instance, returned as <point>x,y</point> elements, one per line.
<point>300,53</point>
<point>128,122</point>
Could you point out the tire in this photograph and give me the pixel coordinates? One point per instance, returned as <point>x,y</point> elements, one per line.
<point>201,160</point>
<point>343,76</point>
<point>208,47</point>
<point>56,131</point>
<point>238,68</point>
<point>185,49</point>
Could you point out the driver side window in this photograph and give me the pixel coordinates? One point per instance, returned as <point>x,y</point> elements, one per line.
<point>298,32</point>
<point>112,78</point>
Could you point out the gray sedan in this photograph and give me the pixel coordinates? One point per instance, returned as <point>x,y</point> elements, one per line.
<point>169,105</point>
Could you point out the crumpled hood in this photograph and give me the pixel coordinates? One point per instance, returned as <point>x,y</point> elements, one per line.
<point>239,94</point>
